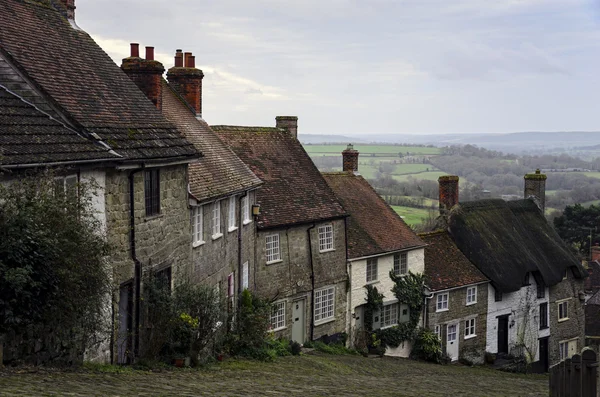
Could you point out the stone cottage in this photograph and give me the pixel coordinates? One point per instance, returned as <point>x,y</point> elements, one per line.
<point>378,242</point>
<point>300,260</point>
<point>457,307</point>
<point>535,295</point>
<point>96,124</point>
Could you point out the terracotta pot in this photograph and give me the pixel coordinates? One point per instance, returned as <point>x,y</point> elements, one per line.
<point>178,362</point>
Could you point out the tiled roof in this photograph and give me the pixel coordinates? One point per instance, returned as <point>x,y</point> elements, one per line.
<point>294,190</point>
<point>27,135</point>
<point>219,172</point>
<point>373,227</point>
<point>505,240</point>
<point>445,266</point>
<point>77,76</point>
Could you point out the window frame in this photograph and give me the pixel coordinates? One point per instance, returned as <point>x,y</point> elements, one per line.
<point>563,314</point>
<point>246,209</point>
<point>231,217</point>
<point>474,295</point>
<point>320,294</point>
<point>198,225</point>
<point>152,192</point>
<point>216,231</point>
<point>386,316</point>
<point>326,238</point>
<point>273,253</point>
<point>278,316</point>
<point>543,312</point>
<point>371,270</point>
<point>441,301</point>
<point>541,290</point>
<point>401,263</point>
<point>470,328</point>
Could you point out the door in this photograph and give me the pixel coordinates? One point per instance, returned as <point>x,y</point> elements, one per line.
<point>544,354</point>
<point>452,341</point>
<point>298,322</point>
<point>124,340</point>
<point>503,334</point>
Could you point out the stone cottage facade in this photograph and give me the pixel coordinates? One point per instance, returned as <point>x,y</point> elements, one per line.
<point>300,260</point>
<point>457,308</point>
<point>378,242</point>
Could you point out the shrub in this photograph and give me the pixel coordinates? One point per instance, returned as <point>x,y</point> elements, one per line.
<point>427,346</point>
<point>249,335</point>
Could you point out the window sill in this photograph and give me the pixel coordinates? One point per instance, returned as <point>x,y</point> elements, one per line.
<point>247,221</point>
<point>327,250</point>
<point>441,310</point>
<point>470,337</point>
<point>372,282</point>
<point>274,262</point>
<point>217,236</point>
<point>232,229</point>
<point>389,326</point>
<point>325,321</point>
<point>471,303</point>
<point>543,328</point>
<point>400,274</point>
<point>560,320</point>
<point>198,244</point>
<point>279,329</point>
<point>153,217</point>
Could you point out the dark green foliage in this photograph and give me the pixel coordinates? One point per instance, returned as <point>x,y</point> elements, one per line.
<point>374,303</point>
<point>250,330</point>
<point>574,225</point>
<point>52,272</point>
<point>408,289</point>
<point>427,346</point>
<point>394,336</point>
<point>295,348</point>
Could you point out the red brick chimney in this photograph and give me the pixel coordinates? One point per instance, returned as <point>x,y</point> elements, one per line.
<point>289,123</point>
<point>187,80</point>
<point>350,159</point>
<point>145,73</point>
<point>448,185</point>
<point>535,186</point>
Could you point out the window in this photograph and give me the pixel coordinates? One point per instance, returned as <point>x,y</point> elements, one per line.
<point>66,186</point>
<point>371,270</point>
<point>324,303</point>
<point>278,316</point>
<point>230,285</point>
<point>438,331</point>
<point>471,295</point>
<point>272,246</point>
<point>163,278</point>
<point>197,225</point>
<point>152,191</point>
<point>325,238</point>
<point>567,349</point>
<point>497,295</point>
<point>404,313</point>
<point>389,315</point>
<point>541,290</point>
<point>470,328</point>
<point>246,209</point>
<point>544,316</point>
<point>526,279</point>
<point>562,311</point>
<point>442,302</point>
<point>231,217</point>
<point>400,264</point>
<point>245,276</point>
<point>216,220</point>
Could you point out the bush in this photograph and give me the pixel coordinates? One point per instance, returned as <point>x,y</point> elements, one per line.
<point>427,346</point>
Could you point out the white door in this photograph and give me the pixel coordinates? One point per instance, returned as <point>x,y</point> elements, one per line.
<point>298,322</point>
<point>452,341</point>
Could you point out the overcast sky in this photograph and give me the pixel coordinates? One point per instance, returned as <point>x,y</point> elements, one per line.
<point>375,66</point>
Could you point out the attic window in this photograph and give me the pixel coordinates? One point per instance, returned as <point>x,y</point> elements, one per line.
<point>497,295</point>
<point>326,238</point>
<point>526,279</point>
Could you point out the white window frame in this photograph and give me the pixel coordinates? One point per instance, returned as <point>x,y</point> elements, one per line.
<point>471,295</point>
<point>371,270</point>
<point>272,248</point>
<point>216,220</point>
<point>565,311</point>
<point>278,316</point>
<point>401,264</point>
<point>438,331</point>
<point>246,209</point>
<point>231,218</point>
<point>389,315</point>
<point>231,285</point>
<point>245,276</point>
<point>441,302</point>
<point>470,328</point>
<point>198,225</point>
<point>324,310</point>
<point>326,238</point>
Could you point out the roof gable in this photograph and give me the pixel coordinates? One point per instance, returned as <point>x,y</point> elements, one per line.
<point>505,240</point>
<point>373,227</point>
<point>293,189</point>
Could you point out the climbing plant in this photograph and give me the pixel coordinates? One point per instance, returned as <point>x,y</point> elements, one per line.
<point>374,303</point>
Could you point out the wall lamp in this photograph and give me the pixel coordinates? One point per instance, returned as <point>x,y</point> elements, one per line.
<point>255,209</point>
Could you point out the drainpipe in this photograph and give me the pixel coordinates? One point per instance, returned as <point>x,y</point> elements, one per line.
<point>239,236</point>
<point>138,266</point>
<point>425,317</point>
<point>312,281</point>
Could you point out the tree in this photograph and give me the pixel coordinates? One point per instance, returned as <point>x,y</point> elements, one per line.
<point>53,274</point>
<point>576,223</point>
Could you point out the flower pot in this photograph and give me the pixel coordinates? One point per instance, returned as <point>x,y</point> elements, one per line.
<point>178,362</point>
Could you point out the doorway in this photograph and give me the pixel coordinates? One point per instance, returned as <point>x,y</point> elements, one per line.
<point>544,353</point>
<point>452,332</point>
<point>298,321</point>
<point>124,339</point>
<point>503,334</point>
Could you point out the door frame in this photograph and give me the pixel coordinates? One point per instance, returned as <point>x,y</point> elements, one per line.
<point>456,340</point>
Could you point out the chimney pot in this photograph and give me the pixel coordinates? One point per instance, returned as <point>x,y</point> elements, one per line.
<point>178,59</point>
<point>149,53</point>
<point>135,50</point>
<point>448,192</point>
<point>186,58</point>
<point>70,6</point>
<point>192,60</point>
<point>350,159</point>
<point>289,123</point>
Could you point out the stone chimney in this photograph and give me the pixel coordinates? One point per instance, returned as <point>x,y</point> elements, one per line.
<point>350,159</point>
<point>535,186</point>
<point>145,73</point>
<point>70,7</point>
<point>187,80</point>
<point>448,186</point>
<point>289,123</point>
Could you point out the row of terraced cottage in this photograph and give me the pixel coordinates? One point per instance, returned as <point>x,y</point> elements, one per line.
<point>245,207</point>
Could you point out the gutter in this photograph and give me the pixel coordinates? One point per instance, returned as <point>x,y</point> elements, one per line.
<point>312,281</point>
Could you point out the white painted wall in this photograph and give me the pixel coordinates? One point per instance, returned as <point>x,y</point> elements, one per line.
<point>525,315</point>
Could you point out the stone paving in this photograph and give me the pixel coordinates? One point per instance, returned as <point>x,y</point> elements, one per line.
<point>308,375</point>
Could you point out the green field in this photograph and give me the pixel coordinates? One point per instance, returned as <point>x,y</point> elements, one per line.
<point>365,149</point>
<point>588,203</point>
<point>412,216</point>
<point>429,176</point>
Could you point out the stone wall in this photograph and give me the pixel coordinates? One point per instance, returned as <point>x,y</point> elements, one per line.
<point>290,278</point>
<point>470,348</point>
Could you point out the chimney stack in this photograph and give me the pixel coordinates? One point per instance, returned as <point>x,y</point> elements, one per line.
<point>350,159</point>
<point>70,6</point>
<point>187,80</point>
<point>535,186</point>
<point>289,123</point>
<point>145,73</point>
<point>448,185</point>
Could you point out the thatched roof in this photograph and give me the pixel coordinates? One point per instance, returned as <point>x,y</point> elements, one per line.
<point>505,240</point>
